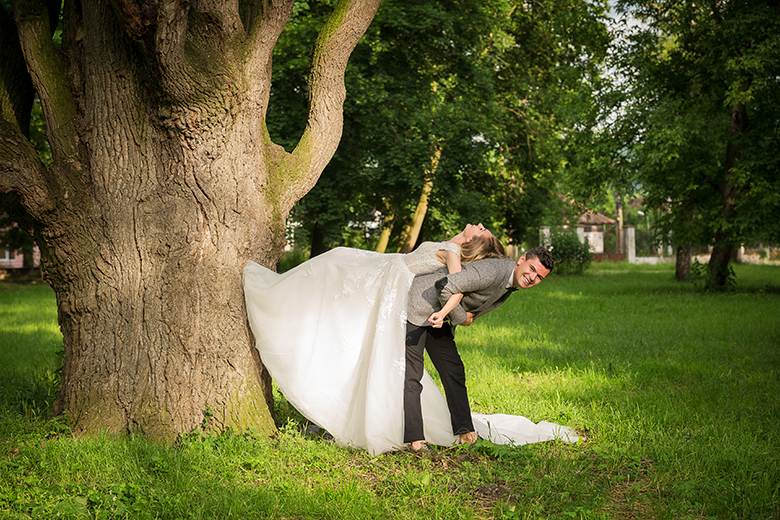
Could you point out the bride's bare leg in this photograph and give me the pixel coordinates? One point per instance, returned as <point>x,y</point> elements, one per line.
<point>468,438</point>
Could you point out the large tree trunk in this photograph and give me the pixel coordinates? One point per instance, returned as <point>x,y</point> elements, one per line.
<point>164,183</point>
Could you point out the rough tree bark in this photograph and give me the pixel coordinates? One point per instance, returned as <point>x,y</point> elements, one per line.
<point>164,182</point>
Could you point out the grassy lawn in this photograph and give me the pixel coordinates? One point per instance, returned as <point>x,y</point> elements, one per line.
<point>675,391</point>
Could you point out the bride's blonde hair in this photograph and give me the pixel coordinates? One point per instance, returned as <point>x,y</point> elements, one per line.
<point>481,246</point>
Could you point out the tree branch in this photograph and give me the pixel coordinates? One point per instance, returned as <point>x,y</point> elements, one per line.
<point>21,171</point>
<point>193,44</point>
<point>327,91</point>
<point>139,19</point>
<point>249,10</point>
<point>263,35</point>
<point>185,41</point>
<point>47,71</point>
<point>16,88</point>
<point>152,23</point>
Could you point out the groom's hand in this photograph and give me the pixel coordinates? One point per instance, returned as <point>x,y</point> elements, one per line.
<point>469,319</point>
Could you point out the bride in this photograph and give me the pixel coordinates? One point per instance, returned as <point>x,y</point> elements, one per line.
<point>332,334</point>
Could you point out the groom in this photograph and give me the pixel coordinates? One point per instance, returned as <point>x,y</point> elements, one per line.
<point>485,284</point>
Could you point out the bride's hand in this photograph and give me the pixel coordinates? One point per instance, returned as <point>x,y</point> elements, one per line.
<point>436,320</point>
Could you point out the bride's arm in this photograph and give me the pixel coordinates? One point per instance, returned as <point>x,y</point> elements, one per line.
<point>452,260</point>
<point>449,258</point>
<point>437,318</point>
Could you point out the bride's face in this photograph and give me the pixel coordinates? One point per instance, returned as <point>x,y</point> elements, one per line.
<point>471,231</point>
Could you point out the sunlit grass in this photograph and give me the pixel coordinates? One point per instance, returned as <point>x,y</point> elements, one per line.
<point>651,368</point>
<point>28,328</point>
<point>674,391</point>
<point>29,341</point>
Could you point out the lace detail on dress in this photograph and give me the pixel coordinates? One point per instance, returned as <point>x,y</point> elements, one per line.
<point>310,272</point>
<point>423,259</point>
<point>400,365</point>
<point>359,281</point>
<point>388,299</point>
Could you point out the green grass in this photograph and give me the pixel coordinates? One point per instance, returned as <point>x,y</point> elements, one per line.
<point>676,392</point>
<point>29,343</point>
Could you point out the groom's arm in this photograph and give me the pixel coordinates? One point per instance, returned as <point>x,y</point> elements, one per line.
<point>476,277</point>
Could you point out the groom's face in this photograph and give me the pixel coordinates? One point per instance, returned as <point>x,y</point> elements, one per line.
<point>529,272</point>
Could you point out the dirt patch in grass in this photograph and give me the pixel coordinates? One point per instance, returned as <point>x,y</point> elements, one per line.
<point>626,502</point>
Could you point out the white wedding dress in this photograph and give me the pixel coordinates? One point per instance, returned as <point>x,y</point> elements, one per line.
<point>332,334</point>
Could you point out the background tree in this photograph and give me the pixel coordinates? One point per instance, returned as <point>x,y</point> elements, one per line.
<point>546,78</point>
<point>460,105</point>
<point>412,92</point>
<point>163,182</point>
<point>692,122</point>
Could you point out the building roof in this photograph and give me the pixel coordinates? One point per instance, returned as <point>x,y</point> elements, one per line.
<point>590,218</point>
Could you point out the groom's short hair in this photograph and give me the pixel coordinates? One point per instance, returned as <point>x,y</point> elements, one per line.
<point>544,256</point>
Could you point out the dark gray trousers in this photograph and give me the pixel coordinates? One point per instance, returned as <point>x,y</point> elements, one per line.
<point>440,344</point>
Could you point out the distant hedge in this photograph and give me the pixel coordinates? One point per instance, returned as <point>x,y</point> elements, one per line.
<point>571,255</point>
